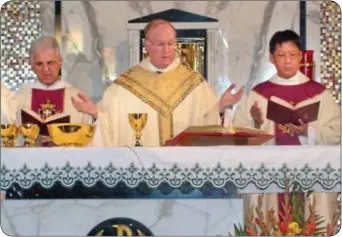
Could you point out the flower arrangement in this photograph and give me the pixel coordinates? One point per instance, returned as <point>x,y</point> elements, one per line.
<point>291,221</point>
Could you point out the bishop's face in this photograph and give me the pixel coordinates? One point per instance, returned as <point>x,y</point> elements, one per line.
<point>161,46</point>
<point>286,58</point>
<point>46,63</point>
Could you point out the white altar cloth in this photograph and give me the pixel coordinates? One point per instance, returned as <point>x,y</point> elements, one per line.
<point>316,167</point>
<point>247,167</point>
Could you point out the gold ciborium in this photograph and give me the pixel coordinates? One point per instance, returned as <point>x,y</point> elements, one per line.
<point>30,133</point>
<point>137,122</point>
<point>71,134</point>
<point>9,133</point>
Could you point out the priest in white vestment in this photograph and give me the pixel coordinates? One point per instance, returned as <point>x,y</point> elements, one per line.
<point>8,105</point>
<point>290,85</point>
<point>24,98</point>
<point>174,96</point>
<point>49,97</point>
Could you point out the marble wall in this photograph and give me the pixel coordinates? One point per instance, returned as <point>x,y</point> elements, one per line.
<point>95,38</point>
<point>169,217</point>
<point>47,17</point>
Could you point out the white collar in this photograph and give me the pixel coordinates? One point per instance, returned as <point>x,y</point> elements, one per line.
<point>57,85</point>
<point>297,79</point>
<point>146,64</point>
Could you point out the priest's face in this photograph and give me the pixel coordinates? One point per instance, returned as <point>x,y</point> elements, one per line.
<point>286,58</point>
<point>46,63</point>
<point>161,45</point>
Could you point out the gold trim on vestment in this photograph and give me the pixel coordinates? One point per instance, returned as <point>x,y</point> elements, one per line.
<point>141,92</point>
<point>165,106</point>
<point>165,127</point>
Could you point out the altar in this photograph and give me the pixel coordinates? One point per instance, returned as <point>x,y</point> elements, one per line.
<point>170,190</point>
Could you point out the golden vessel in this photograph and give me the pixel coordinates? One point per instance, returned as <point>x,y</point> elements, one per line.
<point>9,133</point>
<point>137,122</point>
<point>71,134</point>
<point>30,133</point>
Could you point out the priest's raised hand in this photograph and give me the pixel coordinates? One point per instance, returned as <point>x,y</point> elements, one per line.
<point>85,105</point>
<point>229,98</point>
<point>256,114</point>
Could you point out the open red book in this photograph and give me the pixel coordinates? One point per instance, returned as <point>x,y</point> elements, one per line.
<point>28,116</point>
<point>215,135</point>
<point>282,112</point>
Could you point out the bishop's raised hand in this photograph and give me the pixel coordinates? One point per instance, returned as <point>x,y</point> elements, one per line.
<point>85,105</point>
<point>229,98</point>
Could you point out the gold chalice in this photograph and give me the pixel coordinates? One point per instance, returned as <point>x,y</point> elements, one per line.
<point>71,134</point>
<point>30,133</point>
<point>137,122</point>
<point>9,134</point>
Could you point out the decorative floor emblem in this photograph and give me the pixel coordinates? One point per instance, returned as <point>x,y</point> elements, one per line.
<point>120,227</point>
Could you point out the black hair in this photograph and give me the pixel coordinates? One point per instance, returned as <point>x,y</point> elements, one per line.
<point>284,36</point>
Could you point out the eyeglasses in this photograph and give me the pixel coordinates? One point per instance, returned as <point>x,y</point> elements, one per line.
<point>162,45</point>
<point>283,56</point>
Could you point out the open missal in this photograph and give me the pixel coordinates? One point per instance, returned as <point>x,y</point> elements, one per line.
<point>214,135</point>
<point>282,112</point>
<point>28,116</point>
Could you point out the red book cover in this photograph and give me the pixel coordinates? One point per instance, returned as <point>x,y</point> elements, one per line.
<point>282,112</point>
<point>218,135</point>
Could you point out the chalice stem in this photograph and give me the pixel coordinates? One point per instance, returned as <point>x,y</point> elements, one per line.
<point>8,142</point>
<point>138,141</point>
<point>29,142</point>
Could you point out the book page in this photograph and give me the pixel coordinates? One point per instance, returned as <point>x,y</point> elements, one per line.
<point>306,102</point>
<point>33,114</point>
<point>249,130</point>
<point>282,102</point>
<point>207,128</point>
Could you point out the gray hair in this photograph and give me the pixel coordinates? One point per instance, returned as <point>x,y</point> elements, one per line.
<point>44,42</point>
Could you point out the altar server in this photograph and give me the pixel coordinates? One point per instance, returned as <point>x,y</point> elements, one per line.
<point>290,85</point>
